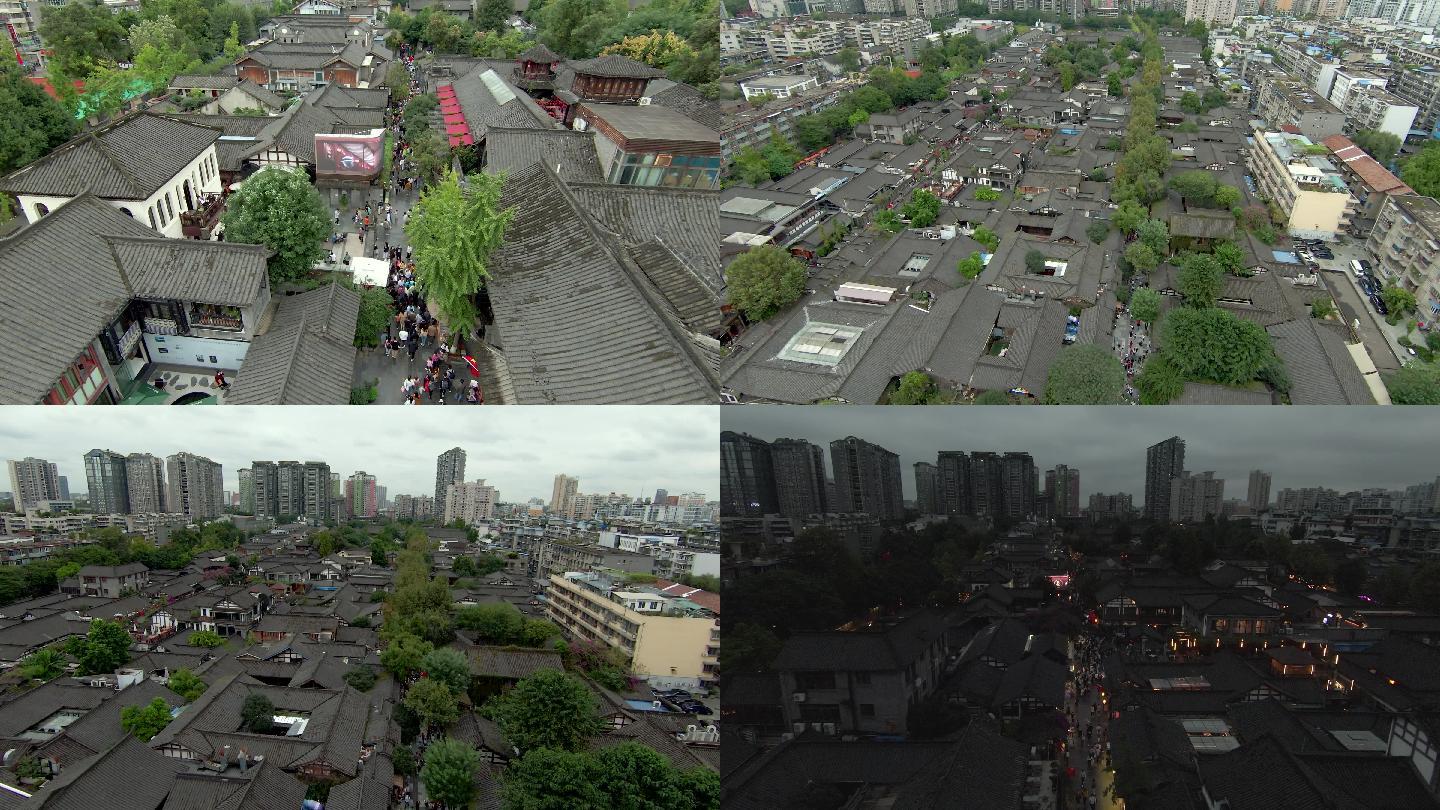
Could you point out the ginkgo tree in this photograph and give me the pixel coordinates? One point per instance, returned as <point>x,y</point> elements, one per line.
<point>454,228</point>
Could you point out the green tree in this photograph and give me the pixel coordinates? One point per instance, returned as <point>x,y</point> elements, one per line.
<point>537,633</point>
<point>433,701</point>
<point>1129,216</point>
<point>80,35</point>
<point>986,237</point>
<point>257,713</point>
<point>889,221</point>
<point>763,281</point>
<point>1414,384</point>
<point>493,623</point>
<point>186,684</point>
<point>31,123</point>
<point>448,666</point>
<point>547,779</point>
<point>575,28</point>
<point>1154,234</point>
<point>1141,257</point>
<point>1200,280</point>
<point>206,638</point>
<point>1226,196</point>
<point>971,266</point>
<point>1213,345</point>
<point>751,167</point>
<point>397,81</point>
<point>1114,85</point>
<point>1145,305</point>
<point>916,388</point>
<point>1398,300</point>
<point>1197,184</point>
<point>986,194</point>
<point>490,15</point>
<point>923,209</point>
<point>281,210</point>
<point>1230,257</point>
<point>106,648</point>
<point>848,58</point>
<point>405,654</point>
<point>1422,171</point>
<point>453,231</point>
<point>1322,307</point>
<point>1380,145</point>
<point>1085,375</point>
<point>1097,230</point>
<point>550,709</point>
<point>463,567</point>
<point>1034,262</point>
<point>1350,576</point>
<point>360,678</point>
<point>146,721</point>
<point>43,664</point>
<point>449,771</point>
<point>375,309</point>
<point>748,648</point>
<point>1159,381</point>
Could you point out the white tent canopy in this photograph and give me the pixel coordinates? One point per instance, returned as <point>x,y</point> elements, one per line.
<point>369,271</point>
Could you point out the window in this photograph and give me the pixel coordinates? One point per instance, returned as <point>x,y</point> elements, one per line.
<point>867,709</point>
<point>169,206</point>
<point>862,679</point>
<point>41,209</point>
<point>814,680</point>
<point>151,212</point>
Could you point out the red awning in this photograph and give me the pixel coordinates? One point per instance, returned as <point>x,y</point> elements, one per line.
<point>454,118</point>
<point>467,139</point>
<point>456,129</point>
<point>445,90</point>
<point>454,141</point>
<point>450,105</point>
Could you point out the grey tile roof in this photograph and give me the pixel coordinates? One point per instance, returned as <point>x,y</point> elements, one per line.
<point>501,662</point>
<point>539,53</point>
<point>59,286</point>
<point>685,99</point>
<point>694,302</point>
<point>1210,394</point>
<point>294,130</point>
<point>1321,370</point>
<point>307,357</point>
<point>483,109</point>
<point>368,791</point>
<point>194,81</point>
<point>578,322</point>
<point>266,98</point>
<point>615,66</point>
<point>210,272</point>
<point>334,96</point>
<point>128,159</point>
<point>981,770</point>
<point>892,648</point>
<point>231,154</point>
<point>686,221</point>
<point>109,781</point>
<point>262,787</point>
<point>305,55</point>
<point>573,153</point>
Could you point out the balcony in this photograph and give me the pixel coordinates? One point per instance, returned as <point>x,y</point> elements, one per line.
<point>200,223</point>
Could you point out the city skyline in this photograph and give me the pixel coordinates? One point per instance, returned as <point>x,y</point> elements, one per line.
<point>624,449</point>
<point>1108,446</point>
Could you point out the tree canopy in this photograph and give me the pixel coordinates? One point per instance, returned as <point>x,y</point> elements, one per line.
<point>448,666</point>
<point>1422,171</point>
<point>624,775</point>
<point>283,211</point>
<point>1085,375</point>
<point>449,771</point>
<point>1414,384</point>
<point>923,208</point>
<point>1211,344</point>
<point>146,721</point>
<point>106,648</point>
<point>763,281</point>
<point>1380,145</point>
<point>433,702</point>
<point>453,231</point>
<point>1145,305</point>
<point>550,709</point>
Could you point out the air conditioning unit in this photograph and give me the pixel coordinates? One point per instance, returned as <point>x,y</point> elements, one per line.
<point>829,728</point>
<point>798,697</point>
<point>798,728</point>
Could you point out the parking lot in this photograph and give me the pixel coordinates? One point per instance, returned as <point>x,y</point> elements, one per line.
<point>1377,335</point>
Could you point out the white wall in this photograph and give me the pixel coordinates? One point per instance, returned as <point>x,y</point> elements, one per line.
<point>182,351</point>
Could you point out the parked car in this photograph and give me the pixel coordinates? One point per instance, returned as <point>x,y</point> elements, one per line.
<point>1379,304</point>
<point>696,707</point>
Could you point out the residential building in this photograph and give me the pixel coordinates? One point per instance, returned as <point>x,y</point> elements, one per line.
<point>1164,462</point>
<point>1104,507</point>
<point>415,507</point>
<point>1193,498</point>
<point>747,127</point>
<point>195,484</point>
<point>145,484</point>
<point>1257,494</point>
<point>1367,179</point>
<point>105,478</point>
<point>111,581</point>
<point>562,495</point>
<point>295,491</point>
<point>303,66</point>
<point>799,469</point>
<point>670,640</point>
<point>1062,487</point>
<point>1380,110</point>
<point>33,480</point>
<point>781,86</point>
<point>1291,171</point>
<point>953,486</point>
<point>928,9</point>
<point>1420,85</point>
<point>927,488</point>
<point>747,476</point>
<point>247,490</point>
<point>1286,102</point>
<point>449,469</point>
<point>1345,81</point>
<point>1019,485</point>
<point>867,479</point>
<point>1406,245</point>
<point>1214,13</point>
<point>470,501</point>
<point>360,495</point>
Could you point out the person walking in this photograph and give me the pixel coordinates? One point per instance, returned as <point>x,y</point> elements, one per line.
<point>220,381</point>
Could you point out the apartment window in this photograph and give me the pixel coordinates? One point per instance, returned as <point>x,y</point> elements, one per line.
<point>814,680</point>
<point>867,709</point>
<point>862,679</point>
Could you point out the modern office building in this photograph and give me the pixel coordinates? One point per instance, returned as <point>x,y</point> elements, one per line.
<point>105,478</point>
<point>1164,462</point>
<point>867,479</point>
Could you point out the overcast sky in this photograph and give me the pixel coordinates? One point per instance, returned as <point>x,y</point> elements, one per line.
<point>518,450</point>
<point>1341,447</point>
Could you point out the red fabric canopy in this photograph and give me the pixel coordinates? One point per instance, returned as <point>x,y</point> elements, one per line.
<point>445,91</point>
<point>467,139</point>
<point>450,105</point>
<point>454,141</point>
<point>456,129</point>
<point>454,118</point>
<point>463,140</point>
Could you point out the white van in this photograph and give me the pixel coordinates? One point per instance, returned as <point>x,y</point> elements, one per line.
<point>1356,269</point>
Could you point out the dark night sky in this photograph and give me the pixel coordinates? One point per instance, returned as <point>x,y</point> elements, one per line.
<point>1344,448</point>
